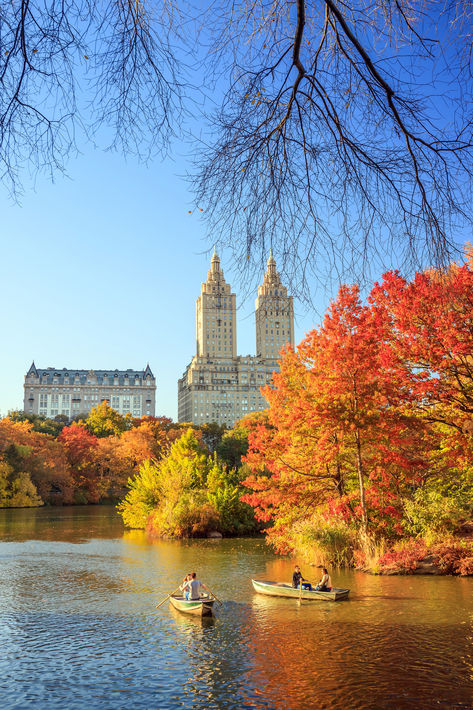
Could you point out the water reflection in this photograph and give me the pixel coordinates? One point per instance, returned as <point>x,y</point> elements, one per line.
<point>188,622</point>
<point>68,524</point>
<point>79,628</point>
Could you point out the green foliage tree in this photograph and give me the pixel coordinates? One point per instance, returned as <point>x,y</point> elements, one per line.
<point>187,493</point>
<point>142,497</point>
<point>160,485</point>
<point>105,421</point>
<point>233,445</point>
<point>212,434</point>
<point>41,424</point>
<point>16,488</point>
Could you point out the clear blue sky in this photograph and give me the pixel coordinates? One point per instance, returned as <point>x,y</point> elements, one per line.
<point>102,269</point>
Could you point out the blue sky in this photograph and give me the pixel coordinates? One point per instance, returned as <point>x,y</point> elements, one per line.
<point>101,269</point>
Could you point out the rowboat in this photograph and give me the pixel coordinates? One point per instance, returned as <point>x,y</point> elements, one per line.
<point>281,589</point>
<point>196,607</point>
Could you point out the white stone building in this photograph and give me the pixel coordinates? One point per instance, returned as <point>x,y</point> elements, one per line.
<point>69,392</point>
<point>219,385</point>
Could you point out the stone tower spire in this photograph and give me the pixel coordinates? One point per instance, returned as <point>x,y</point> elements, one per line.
<point>216,315</point>
<point>274,312</point>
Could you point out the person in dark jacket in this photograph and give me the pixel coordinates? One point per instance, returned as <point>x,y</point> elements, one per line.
<point>298,579</point>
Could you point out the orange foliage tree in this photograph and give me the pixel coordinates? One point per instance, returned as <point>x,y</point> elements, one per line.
<point>81,451</point>
<point>40,456</point>
<point>339,435</point>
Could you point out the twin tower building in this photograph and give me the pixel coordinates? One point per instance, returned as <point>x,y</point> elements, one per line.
<point>219,385</point>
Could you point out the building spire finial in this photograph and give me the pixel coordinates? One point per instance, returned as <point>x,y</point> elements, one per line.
<point>215,261</point>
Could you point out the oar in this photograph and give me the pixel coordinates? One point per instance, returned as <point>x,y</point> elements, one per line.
<point>300,591</point>
<point>169,595</point>
<point>215,596</point>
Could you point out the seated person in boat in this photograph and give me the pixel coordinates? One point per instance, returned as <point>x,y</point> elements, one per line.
<point>193,587</point>
<point>298,579</point>
<point>325,584</point>
<point>184,588</point>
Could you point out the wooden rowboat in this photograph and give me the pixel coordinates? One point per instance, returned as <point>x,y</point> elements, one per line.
<point>196,607</point>
<point>281,589</point>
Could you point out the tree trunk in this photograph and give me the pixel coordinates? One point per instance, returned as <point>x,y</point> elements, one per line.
<point>361,482</point>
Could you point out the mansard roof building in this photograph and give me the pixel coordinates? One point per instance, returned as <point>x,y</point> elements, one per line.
<point>219,385</point>
<point>50,392</point>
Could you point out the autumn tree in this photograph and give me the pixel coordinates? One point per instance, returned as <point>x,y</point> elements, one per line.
<point>39,456</point>
<point>339,439</point>
<point>103,420</point>
<point>42,424</point>
<point>145,441</point>
<point>81,451</point>
<point>16,488</point>
<point>120,456</point>
<point>431,334</point>
<point>431,325</point>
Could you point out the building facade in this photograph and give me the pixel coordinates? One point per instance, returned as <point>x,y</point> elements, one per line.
<point>219,385</point>
<point>50,392</point>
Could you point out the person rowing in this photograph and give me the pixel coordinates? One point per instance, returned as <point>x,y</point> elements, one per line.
<point>193,587</point>
<point>298,580</point>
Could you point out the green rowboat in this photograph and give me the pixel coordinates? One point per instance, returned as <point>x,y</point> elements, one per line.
<point>281,589</point>
<point>196,607</point>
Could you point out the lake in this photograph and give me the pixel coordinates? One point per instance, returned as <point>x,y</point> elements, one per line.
<point>79,628</point>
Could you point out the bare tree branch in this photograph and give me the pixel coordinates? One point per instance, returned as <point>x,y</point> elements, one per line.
<point>343,132</point>
<point>330,144</point>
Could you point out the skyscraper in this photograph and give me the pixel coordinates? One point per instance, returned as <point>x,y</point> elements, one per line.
<point>274,313</point>
<point>219,385</point>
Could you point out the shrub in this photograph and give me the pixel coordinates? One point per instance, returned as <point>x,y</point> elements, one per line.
<point>320,542</point>
<point>403,557</point>
<point>191,516</point>
<point>369,552</point>
<point>454,557</point>
<point>465,566</point>
<point>434,512</point>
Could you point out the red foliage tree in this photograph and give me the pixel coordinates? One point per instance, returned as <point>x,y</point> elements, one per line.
<point>339,433</point>
<point>81,450</point>
<point>431,334</point>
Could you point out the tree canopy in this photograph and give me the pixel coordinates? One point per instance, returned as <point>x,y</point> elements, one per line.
<point>369,429</point>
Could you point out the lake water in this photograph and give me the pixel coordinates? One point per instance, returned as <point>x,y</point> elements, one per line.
<point>79,628</point>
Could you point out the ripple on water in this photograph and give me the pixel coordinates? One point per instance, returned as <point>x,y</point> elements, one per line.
<point>78,629</point>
